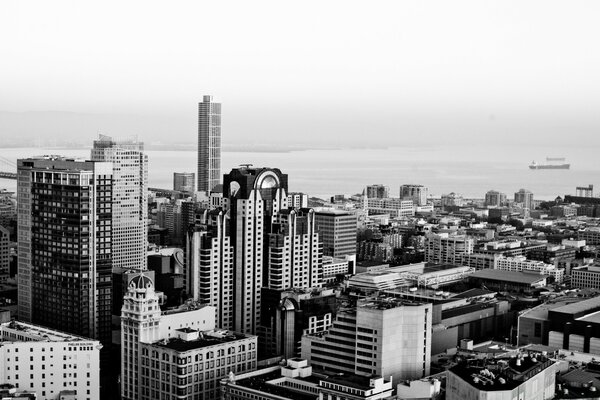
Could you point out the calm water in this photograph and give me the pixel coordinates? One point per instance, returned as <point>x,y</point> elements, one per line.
<point>470,170</point>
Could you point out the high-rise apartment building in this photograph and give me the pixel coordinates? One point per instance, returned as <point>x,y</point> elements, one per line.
<point>209,144</point>
<point>255,242</point>
<point>184,182</point>
<point>447,249</point>
<point>380,336</point>
<point>64,245</point>
<point>130,199</point>
<point>494,198</point>
<point>337,230</point>
<point>255,196</point>
<point>377,192</point>
<point>208,276</point>
<point>297,200</point>
<point>416,193</point>
<point>524,197</point>
<point>295,257</point>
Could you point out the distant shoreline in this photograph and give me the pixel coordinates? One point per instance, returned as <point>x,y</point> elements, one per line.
<point>238,148</point>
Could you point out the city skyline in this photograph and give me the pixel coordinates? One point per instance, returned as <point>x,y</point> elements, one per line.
<point>394,72</point>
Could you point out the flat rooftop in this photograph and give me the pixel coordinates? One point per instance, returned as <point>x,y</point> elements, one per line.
<point>508,276</point>
<point>505,377</point>
<point>39,333</point>
<point>350,380</point>
<point>579,307</point>
<point>259,382</point>
<point>206,339</point>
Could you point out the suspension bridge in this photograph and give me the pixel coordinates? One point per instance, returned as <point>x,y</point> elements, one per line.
<point>8,169</point>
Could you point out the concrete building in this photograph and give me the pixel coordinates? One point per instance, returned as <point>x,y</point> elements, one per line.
<point>417,193</point>
<point>337,230</point>
<point>575,326</point>
<point>524,197</point>
<point>381,336</point>
<point>591,235</point>
<point>209,144</point>
<point>295,257</point>
<point>377,191</point>
<point>297,200</point>
<point>129,199</point>
<point>64,245</point>
<point>533,326</point>
<point>523,378</point>
<point>288,314</point>
<point>393,206</point>
<point>295,381</point>
<point>584,191</point>
<point>452,200</point>
<point>493,198</point>
<point>184,342</point>
<point>447,249</point>
<point>4,254</point>
<point>521,263</point>
<point>586,277</point>
<point>184,182</point>
<point>508,281</point>
<point>209,271</point>
<point>49,362</point>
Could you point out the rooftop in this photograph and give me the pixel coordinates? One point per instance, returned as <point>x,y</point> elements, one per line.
<point>206,339</point>
<point>39,333</point>
<point>508,276</point>
<point>259,382</point>
<point>500,374</point>
<point>580,307</point>
<point>355,381</point>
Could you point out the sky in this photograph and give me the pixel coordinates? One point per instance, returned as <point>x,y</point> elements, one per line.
<point>314,73</point>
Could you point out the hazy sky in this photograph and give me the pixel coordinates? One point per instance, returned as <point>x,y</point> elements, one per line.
<point>300,72</point>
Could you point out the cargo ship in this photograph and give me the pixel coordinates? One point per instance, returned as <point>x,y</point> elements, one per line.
<point>535,165</point>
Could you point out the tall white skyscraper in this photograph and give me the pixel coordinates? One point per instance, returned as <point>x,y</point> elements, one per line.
<point>130,199</point>
<point>209,144</point>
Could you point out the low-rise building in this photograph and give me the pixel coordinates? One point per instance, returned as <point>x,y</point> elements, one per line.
<point>522,377</point>
<point>45,361</point>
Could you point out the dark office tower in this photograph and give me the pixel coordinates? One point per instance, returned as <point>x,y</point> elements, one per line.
<point>64,245</point>
<point>209,144</point>
<point>254,196</point>
<point>184,182</point>
<point>337,230</point>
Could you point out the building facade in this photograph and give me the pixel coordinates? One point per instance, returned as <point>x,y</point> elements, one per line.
<point>377,192</point>
<point>447,249</point>
<point>416,193</point>
<point>184,343</point>
<point>129,199</point>
<point>337,230</point>
<point>209,144</point>
<point>4,254</point>
<point>49,362</point>
<point>64,245</point>
<point>494,198</point>
<point>525,197</point>
<point>382,336</point>
<point>184,182</point>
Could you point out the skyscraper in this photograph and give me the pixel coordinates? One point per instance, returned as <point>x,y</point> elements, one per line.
<point>64,245</point>
<point>209,144</point>
<point>254,195</point>
<point>337,230</point>
<point>130,199</point>
<point>524,197</point>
